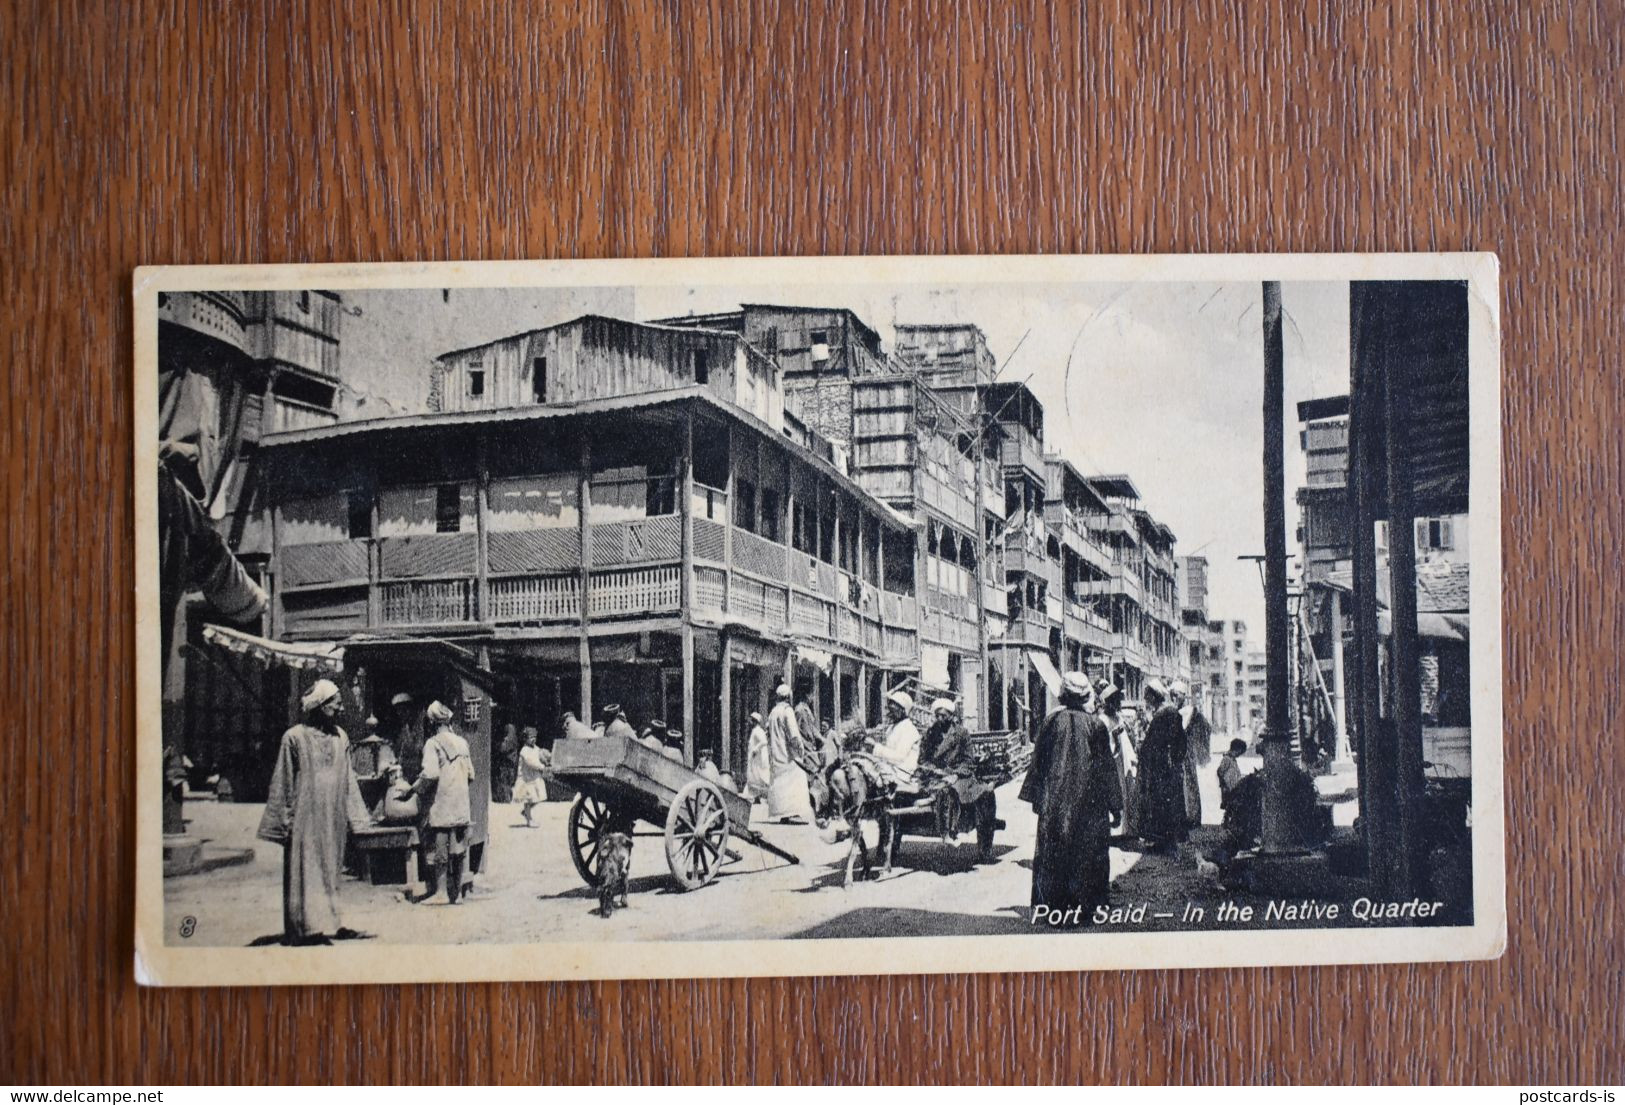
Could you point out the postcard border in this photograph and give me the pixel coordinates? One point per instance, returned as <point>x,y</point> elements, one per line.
<point>159,964</point>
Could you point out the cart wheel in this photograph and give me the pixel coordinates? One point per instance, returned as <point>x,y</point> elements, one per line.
<point>589,820</point>
<point>696,834</point>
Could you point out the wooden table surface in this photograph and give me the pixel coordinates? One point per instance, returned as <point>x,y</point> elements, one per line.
<point>245,132</point>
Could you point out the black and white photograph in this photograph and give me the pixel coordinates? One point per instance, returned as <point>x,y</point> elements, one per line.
<point>820,616</point>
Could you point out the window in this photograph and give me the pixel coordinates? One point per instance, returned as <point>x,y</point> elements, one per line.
<point>550,501</point>
<point>745,505</point>
<point>770,340</point>
<point>476,380</point>
<point>1434,533</point>
<point>448,515</point>
<point>770,514</point>
<point>702,371</point>
<point>538,380</point>
<point>818,337</point>
<point>360,515</point>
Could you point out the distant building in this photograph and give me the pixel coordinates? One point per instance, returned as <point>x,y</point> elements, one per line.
<point>1195,662</point>
<point>1229,709</point>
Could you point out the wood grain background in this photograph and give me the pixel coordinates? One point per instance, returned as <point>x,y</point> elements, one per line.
<point>334,132</point>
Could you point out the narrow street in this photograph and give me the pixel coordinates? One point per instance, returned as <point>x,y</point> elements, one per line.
<point>531,892</point>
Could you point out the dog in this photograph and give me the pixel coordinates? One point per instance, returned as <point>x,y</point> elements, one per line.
<point>614,861</point>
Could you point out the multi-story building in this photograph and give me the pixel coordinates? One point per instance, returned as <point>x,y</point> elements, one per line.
<point>612,513</point>
<point>233,367</point>
<point>1256,691</point>
<point>918,455</point>
<point>1227,680</point>
<point>820,351</point>
<point>1032,644</point>
<point>914,450</point>
<point>1442,556</point>
<point>1142,602</point>
<point>1086,570</point>
<point>1196,643</point>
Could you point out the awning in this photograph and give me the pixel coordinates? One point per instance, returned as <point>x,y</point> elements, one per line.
<point>934,665</point>
<point>1439,627</point>
<point>1046,671</point>
<point>817,657</point>
<point>307,656</point>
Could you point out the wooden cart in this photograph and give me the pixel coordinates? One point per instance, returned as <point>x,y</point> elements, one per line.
<point>620,781</point>
<point>1000,757</point>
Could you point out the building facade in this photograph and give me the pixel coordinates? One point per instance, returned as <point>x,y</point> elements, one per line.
<point>647,541</point>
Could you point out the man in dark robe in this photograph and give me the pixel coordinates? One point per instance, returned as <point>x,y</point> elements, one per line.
<point>1072,784</point>
<point>312,806</point>
<point>1163,820</point>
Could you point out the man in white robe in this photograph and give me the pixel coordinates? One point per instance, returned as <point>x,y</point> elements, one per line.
<point>313,804</point>
<point>787,797</point>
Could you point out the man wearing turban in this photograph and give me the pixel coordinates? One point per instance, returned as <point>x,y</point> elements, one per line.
<point>787,797</point>
<point>1073,787</point>
<point>313,803</point>
<point>448,769</point>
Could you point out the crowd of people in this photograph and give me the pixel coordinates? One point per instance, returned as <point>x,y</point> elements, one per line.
<point>316,801</point>
<point>1100,766</point>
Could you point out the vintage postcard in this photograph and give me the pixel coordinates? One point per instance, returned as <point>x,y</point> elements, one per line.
<point>623,619</point>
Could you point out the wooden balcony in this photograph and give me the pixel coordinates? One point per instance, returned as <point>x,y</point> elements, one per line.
<point>533,578</point>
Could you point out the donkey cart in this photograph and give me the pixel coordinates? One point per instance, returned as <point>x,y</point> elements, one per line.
<point>998,757</point>
<point>620,781</point>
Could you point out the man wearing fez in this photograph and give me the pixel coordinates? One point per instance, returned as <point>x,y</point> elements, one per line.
<point>1072,785</point>
<point>615,723</point>
<point>313,804</point>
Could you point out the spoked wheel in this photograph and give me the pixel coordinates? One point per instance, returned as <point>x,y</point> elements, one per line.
<point>590,819</point>
<point>696,834</point>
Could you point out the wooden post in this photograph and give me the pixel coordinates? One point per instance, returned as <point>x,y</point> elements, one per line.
<point>273,581</point>
<point>1407,705</point>
<point>730,488</point>
<point>687,606</point>
<point>482,529</point>
<point>1278,833</point>
<point>1376,816</point>
<point>375,594</point>
<point>584,585</point>
<point>1339,681</point>
<point>724,657</point>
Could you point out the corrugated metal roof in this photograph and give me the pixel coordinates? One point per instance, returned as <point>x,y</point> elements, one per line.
<point>583,319</point>
<point>544,412</point>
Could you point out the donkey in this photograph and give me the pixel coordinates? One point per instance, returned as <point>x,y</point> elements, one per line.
<point>843,790</point>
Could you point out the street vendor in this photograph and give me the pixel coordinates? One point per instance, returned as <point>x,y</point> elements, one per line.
<point>901,748</point>
<point>408,735</point>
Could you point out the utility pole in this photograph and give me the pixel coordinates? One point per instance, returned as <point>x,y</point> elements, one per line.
<point>1278,834</point>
